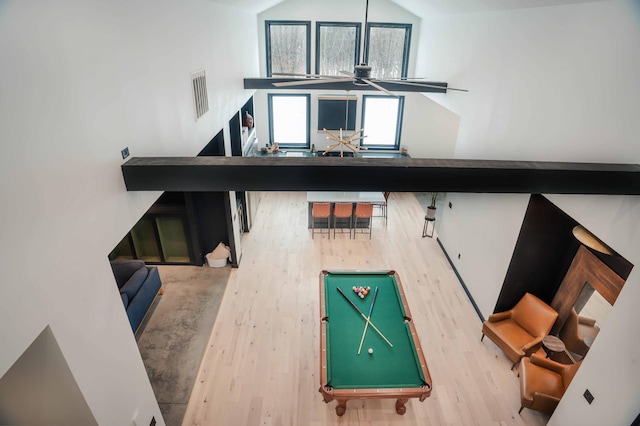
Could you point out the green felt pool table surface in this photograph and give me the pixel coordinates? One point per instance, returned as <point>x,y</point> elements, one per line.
<point>395,369</point>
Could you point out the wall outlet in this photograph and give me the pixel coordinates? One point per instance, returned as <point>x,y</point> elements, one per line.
<point>125,153</point>
<point>450,205</point>
<point>458,255</point>
<point>587,395</point>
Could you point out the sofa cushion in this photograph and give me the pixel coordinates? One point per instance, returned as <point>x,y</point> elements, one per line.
<point>125,299</point>
<point>123,269</point>
<point>131,287</point>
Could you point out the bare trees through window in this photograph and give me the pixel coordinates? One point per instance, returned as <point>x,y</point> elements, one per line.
<point>287,47</point>
<point>388,50</point>
<point>337,47</point>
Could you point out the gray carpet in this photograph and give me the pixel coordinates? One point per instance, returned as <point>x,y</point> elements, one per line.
<point>175,334</point>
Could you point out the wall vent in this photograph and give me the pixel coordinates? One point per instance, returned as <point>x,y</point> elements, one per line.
<point>200,98</point>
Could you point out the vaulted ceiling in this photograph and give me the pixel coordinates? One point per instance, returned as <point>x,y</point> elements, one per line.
<point>424,8</point>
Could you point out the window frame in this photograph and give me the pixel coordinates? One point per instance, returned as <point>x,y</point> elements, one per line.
<point>267,26</point>
<point>407,42</point>
<point>356,25</point>
<point>307,96</point>
<point>399,117</point>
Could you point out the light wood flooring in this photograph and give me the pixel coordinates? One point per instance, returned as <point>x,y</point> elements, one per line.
<point>261,364</point>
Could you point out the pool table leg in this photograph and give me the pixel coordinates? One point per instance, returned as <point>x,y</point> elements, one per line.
<point>400,407</point>
<point>341,408</point>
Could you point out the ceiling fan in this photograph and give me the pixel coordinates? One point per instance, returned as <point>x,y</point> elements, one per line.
<point>361,76</point>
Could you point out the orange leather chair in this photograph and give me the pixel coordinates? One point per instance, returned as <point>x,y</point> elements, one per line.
<point>320,211</point>
<point>575,330</point>
<point>363,211</point>
<point>543,382</point>
<point>342,211</point>
<point>519,331</point>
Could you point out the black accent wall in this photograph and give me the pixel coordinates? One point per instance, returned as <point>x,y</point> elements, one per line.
<point>542,255</point>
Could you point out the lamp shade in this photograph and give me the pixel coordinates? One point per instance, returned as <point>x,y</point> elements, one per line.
<point>591,241</point>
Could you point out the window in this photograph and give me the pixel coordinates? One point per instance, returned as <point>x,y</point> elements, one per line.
<point>388,49</point>
<point>382,120</point>
<point>337,47</point>
<point>289,120</point>
<point>337,112</point>
<point>288,46</point>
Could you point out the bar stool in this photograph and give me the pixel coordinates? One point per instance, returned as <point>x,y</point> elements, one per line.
<point>383,207</point>
<point>363,211</point>
<point>320,211</point>
<point>342,211</point>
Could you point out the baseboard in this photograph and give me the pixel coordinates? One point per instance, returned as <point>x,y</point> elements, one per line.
<point>464,287</point>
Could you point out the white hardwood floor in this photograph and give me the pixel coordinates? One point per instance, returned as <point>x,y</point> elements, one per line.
<point>261,365</point>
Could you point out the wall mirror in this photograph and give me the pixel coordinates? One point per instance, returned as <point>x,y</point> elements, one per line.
<point>593,305</point>
<point>584,322</point>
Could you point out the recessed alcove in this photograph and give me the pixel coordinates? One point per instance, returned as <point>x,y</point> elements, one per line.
<point>544,252</point>
<point>550,262</point>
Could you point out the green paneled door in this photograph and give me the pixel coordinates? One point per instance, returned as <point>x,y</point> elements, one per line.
<point>144,241</point>
<point>173,239</point>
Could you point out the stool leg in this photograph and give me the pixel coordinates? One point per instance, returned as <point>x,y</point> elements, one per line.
<point>329,228</point>
<point>335,225</point>
<point>350,226</point>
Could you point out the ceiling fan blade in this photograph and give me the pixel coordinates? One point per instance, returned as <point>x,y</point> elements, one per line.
<point>431,86</point>
<point>306,81</point>
<point>349,73</point>
<point>377,86</point>
<point>285,74</point>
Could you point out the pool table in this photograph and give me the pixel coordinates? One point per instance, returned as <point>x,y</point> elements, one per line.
<point>396,368</point>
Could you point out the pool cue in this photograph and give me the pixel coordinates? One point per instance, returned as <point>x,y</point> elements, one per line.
<point>365,318</point>
<point>364,333</point>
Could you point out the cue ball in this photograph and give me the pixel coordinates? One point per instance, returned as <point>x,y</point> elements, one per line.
<point>370,350</point>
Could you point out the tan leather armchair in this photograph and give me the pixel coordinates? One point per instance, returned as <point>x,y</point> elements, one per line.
<point>543,382</point>
<point>575,330</point>
<point>519,331</point>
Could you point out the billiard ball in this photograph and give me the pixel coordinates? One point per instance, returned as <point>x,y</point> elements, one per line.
<point>370,350</point>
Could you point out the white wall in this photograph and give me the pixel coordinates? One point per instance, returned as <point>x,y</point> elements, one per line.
<point>79,81</point>
<point>543,82</point>
<point>483,230</point>
<point>558,84</point>
<point>428,129</point>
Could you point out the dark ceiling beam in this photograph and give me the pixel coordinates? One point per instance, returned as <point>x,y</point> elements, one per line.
<point>377,174</point>
<point>267,83</point>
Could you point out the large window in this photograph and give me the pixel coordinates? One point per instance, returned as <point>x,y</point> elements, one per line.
<point>288,46</point>
<point>337,47</point>
<point>388,49</point>
<point>382,120</point>
<point>289,120</point>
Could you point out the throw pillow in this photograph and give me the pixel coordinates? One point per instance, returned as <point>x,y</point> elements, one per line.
<point>134,283</point>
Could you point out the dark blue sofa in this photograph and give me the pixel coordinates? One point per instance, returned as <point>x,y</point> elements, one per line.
<point>138,284</point>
